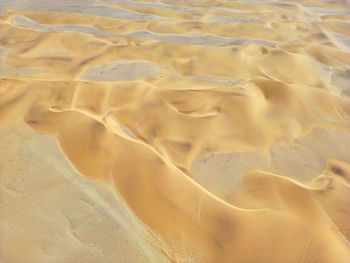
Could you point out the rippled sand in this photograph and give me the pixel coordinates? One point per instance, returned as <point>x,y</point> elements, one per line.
<point>174,131</point>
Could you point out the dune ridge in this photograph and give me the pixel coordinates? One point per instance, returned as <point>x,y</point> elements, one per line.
<point>177,150</point>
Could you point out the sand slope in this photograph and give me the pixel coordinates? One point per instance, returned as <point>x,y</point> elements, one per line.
<point>175,131</point>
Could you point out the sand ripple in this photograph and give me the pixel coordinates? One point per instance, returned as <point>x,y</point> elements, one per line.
<point>177,131</point>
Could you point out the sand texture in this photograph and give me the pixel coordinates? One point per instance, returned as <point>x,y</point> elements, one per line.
<point>202,131</point>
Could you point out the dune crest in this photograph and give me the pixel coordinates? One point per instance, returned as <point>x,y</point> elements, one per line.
<point>215,131</point>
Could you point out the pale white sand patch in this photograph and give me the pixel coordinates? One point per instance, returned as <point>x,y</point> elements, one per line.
<point>123,71</point>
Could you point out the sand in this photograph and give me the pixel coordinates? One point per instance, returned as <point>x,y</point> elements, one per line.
<point>174,131</point>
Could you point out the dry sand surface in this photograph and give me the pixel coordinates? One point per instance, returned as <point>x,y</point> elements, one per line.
<point>202,131</point>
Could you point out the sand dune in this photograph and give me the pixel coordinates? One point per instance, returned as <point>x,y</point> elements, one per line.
<point>175,131</point>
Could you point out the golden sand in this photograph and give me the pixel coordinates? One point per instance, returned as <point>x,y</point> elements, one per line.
<point>210,131</point>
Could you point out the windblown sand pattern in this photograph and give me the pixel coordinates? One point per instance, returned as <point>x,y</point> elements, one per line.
<point>194,131</point>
